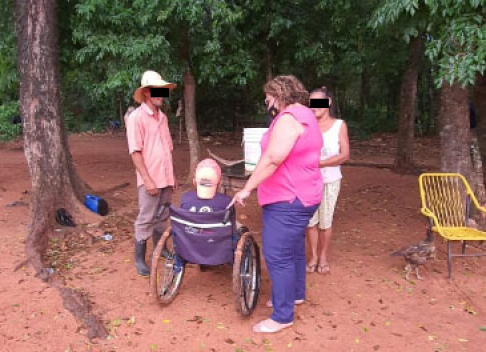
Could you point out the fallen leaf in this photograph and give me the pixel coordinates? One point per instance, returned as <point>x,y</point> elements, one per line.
<point>482,328</point>
<point>166,321</point>
<point>116,322</point>
<point>153,347</point>
<point>462,340</point>
<point>230,341</point>
<point>131,321</point>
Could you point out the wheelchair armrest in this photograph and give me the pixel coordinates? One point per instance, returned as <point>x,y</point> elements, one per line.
<point>228,214</point>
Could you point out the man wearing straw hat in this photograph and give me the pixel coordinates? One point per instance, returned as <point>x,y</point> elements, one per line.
<point>150,146</point>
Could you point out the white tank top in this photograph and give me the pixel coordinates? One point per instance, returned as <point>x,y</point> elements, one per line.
<point>331,147</point>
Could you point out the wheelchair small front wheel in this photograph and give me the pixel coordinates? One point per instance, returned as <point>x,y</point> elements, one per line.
<point>167,270</point>
<point>246,274</point>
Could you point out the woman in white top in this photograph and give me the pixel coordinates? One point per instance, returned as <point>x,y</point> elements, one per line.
<point>335,151</point>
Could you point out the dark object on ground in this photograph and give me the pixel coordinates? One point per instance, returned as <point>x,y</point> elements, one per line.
<point>16,120</point>
<point>17,203</point>
<point>96,204</point>
<point>114,125</point>
<point>64,218</point>
<point>416,255</point>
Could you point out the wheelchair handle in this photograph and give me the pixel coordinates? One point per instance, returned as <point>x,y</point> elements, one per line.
<point>161,209</point>
<point>227,215</point>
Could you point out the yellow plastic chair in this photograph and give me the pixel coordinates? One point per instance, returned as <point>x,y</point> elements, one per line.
<point>446,201</point>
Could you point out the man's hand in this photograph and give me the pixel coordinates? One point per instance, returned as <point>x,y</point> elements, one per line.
<point>151,188</point>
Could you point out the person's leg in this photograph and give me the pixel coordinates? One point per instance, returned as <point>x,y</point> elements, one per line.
<point>144,225</point>
<point>331,192</point>
<point>325,239</point>
<point>284,251</point>
<point>313,236</point>
<point>300,268</point>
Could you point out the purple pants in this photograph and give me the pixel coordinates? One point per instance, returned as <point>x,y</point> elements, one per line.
<point>283,239</point>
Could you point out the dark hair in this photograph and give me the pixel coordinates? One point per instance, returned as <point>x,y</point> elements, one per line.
<point>327,94</point>
<point>287,90</point>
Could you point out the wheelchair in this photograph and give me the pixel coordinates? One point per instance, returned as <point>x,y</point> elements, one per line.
<point>206,239</point>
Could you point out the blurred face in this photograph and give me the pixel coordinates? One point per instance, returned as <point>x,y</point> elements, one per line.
<point>157,102</point>
<point>320,112</point>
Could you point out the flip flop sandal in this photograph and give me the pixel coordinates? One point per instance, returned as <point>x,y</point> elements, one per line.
<point>297,302</point>
<point>311,268</point>
<point>324,269</point>
<point>264,327</point>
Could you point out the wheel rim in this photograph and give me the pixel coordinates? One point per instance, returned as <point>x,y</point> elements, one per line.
<point>249,277</point>
<point>168,279</point>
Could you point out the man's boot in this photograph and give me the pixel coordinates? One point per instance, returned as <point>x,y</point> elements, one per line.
<point>140,250</point>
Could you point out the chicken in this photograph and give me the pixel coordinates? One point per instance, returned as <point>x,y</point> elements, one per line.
<point>416,255</point>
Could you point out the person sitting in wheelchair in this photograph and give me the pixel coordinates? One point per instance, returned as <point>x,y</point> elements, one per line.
<point>206,198</point>
<point>204,231</point>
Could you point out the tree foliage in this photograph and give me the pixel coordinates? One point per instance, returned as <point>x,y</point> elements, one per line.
<point>358,48</point>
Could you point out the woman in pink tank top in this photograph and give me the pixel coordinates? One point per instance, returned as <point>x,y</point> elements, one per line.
<point>289,190</point>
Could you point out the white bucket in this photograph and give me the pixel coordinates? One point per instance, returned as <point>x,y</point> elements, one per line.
<point>251,142</point>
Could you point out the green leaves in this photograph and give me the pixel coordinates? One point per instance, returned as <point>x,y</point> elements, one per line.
<point>455,31</point>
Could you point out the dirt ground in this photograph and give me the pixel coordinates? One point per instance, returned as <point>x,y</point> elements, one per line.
<point>365,304</point>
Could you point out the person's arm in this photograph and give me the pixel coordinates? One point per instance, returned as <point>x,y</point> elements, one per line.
<point>284,135</point>
<point>149,184</point>
<point>135,137</point>
<point>344,149</point>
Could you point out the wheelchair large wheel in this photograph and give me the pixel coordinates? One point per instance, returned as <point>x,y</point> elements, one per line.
<point>167,271</point>
<point>246,274</point>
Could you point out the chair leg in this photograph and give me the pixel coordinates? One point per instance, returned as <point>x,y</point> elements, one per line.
<point>463,247</point>
<point>449,259</point>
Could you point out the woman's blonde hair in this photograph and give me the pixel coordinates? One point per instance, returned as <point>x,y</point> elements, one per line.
<point>287,90</point>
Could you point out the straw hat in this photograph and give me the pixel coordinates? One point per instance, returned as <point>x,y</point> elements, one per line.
<point>151,79</point>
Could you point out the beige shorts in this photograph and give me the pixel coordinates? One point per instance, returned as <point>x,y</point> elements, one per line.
<point>324,214</point>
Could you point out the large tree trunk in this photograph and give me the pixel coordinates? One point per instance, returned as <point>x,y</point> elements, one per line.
<point>478,145</point>
<point>480,104</point>
<point>404,160</point>
<point>55,183</point>
<point>191,124</point>
<point>268,63</point>
<point>454,132</point>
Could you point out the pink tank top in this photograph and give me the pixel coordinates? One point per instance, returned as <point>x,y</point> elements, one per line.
<point>298,176</point>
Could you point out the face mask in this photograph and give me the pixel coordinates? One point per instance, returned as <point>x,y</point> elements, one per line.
<point>271,113</point>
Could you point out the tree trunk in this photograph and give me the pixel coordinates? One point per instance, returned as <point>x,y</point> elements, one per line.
<point>478,145</point>
<point>363,101</point>
<point>480,104</point>
<point>268,63</point>
<point>191,124</point>
<point>55,183</point>
<point>404,160</point>
<point>454,131</point>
